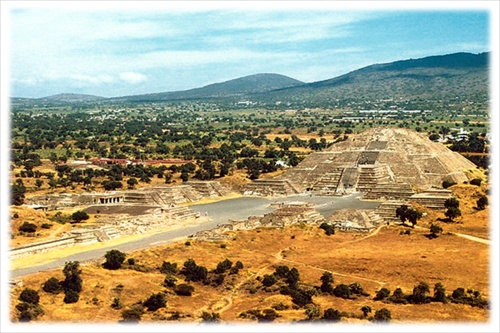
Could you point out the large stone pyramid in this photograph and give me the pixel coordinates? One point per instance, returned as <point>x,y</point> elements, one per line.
<point>381,162</point>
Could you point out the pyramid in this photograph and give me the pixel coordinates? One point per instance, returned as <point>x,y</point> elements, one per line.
<point>384,163</point>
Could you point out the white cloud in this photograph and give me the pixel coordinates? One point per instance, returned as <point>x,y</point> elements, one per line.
<point>133,77</point>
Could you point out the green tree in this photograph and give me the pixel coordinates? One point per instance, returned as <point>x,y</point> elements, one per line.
<point>366,310</point>
<point>342,290</point>
<point>420,293</point>
<point>435,230</point>
<point>382,315</point>
<point>71,296</point>
<point>114,259</point>
<point>439,293</point>
<point>29,296</point>
<point>132,182</point>
<point>27,227</point>
<point>79,216</point>
<point>73,280</point>
<point>452,213</point>
<point>332,315</point>
<point>482,202</point>
<point>17,193</point>
<point>155,301</point>
<point>208,317</point>
<point>52,286</point>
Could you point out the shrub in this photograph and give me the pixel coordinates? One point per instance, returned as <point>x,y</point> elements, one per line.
<point>381,294</point>
<point>170,281</point>
<point>28,312</point>
<point>131,261</point>
<point>114,259</point>
<point>28,227</point>
<point>210,317</point>
<point>117,303</point>
<point>328,228</point>
<point>155,301</point>
<point>52,286</point>
<point>448,183</point>
<point>223,266</point>
<point>184,290</point>
<point>382,315</point>
<point>342,291</point>
<point>133,314</point>
<point>268,280</point>
<point>71,296</point>
<point>46,225</point>
<point>238,265</point>
<point>476,181</point>
<point>79,216</point>
<point>29,296</point>
<point>168,267</point>
<point>482,202</point>
<point>282,271</point>
<point>331,314</point>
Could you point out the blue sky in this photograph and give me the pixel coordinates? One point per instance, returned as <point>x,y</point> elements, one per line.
<point>127,48</point>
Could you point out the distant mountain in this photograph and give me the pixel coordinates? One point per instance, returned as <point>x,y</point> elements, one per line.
<point>438,77</point>
<point>246,85</point>
<point>445,77</point>
<point>71,98</point>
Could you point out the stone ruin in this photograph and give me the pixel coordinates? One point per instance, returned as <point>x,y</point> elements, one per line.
<point>383,163</point>
<point>121,213</point>
<point>352,220</point>
<point>287,214</point>
<point>157,196</point>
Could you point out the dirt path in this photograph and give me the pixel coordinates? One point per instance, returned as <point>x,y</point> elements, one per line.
<point>473,238</point>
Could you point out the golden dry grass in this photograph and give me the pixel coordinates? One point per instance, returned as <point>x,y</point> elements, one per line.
<point>385,259</point>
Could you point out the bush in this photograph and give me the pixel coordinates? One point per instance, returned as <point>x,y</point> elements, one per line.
<point>382,315</point>
<point>331,314</point>
<point>482,202</point>
<point>184,290</point>
<point>476,181</point>
<point>268,280</point>
<point>155,301</point>
<point>168,268</point>
<point>170,281</point>
<point>133,314</point>
<point>114,259</point>
<point>448,183</point>
<point>46,225</point>
<point>382,293</point>
<point>28,311</point>
<point>117,303</point>
<point>71,296</point>
<point>28,227</point>
<point>282,271</point>
<point>52,286</point>
<point>238,265</point>
<point>223,266</point>
<point>328,228</point>
<point>342,291</point>
<point>79,216</point>
<point>210,317</point>
<point>29,296</point>
<point>131,261</point>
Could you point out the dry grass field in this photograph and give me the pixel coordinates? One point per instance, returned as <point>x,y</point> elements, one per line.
<point>386,258</point>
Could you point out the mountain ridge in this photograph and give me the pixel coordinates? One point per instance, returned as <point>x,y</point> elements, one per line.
<point>440,76</point>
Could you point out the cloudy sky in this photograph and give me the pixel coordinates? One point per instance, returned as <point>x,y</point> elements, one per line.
<point>127,48</point>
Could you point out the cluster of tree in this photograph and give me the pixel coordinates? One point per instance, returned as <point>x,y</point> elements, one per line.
<point>473,144</point>
<point>421,295</point>
<point>29,307</point>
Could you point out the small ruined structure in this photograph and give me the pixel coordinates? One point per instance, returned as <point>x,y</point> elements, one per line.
<point>383,163</point>
<point>288,214</point>
<point>349,220</point>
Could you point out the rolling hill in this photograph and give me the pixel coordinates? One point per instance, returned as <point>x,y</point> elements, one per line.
<point>445,77</point>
